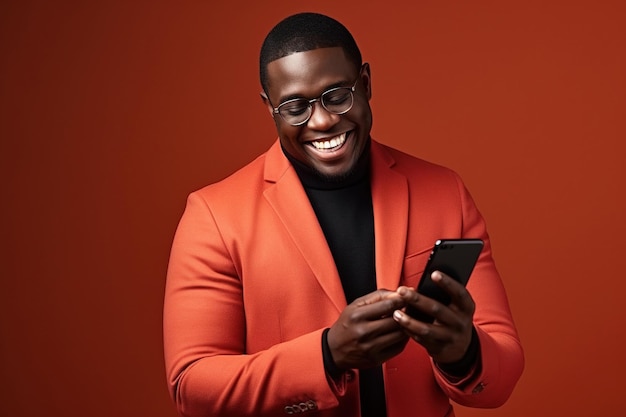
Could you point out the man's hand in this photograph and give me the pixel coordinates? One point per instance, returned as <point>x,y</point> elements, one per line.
<point>448,338</point>
<point>366,334</point>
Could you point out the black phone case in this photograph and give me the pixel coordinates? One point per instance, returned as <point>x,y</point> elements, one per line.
<point>453,257</point>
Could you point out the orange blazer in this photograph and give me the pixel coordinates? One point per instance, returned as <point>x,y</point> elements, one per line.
<point>251,285</point>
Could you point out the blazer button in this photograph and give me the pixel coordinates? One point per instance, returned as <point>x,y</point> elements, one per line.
<point>301,408</point>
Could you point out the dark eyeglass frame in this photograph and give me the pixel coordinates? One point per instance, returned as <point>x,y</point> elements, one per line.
<point>310,102</point>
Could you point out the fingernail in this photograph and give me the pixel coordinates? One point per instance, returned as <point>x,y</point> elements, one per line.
<point>436,276</point>
<point>397,315</point>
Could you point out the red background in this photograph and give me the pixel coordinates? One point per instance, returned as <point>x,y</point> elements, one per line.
<point>111,112</point>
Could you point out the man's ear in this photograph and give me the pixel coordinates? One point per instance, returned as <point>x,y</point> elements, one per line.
<point>267,103</point>
<point>366,79</point>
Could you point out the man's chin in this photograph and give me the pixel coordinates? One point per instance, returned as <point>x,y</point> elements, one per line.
<point>341,171</point>
<point>335,174</point>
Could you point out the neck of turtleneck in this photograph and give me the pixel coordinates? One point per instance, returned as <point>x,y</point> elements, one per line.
<point>343,207</point>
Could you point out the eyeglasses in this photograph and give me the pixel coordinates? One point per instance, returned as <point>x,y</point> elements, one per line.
<point>338,100</point>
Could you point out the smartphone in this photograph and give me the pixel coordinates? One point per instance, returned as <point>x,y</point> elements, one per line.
<point>455,258</point>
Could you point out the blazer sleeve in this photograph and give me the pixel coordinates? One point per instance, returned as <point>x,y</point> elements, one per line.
<point>208,368</point>
<point>501,360</point>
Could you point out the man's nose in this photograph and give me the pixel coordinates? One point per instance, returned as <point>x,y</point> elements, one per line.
<point>321,119</point>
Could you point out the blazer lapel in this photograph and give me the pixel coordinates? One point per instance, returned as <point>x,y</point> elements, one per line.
<point>290,202</point>
<point>390,198</point>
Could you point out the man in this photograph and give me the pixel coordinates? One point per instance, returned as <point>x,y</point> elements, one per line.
<point>288,280</point>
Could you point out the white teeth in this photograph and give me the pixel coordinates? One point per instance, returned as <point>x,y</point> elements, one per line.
<point>330,144</point>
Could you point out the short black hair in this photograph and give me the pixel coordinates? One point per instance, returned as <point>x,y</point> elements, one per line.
<point>304,32</point>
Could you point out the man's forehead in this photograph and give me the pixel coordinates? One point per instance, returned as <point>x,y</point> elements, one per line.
<point>309,69</point>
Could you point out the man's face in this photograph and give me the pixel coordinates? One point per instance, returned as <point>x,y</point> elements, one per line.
<point>307,75</point>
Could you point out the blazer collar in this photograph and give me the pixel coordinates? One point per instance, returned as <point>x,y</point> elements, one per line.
<point>390,202</point>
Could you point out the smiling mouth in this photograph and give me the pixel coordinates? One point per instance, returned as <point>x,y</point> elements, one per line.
<point>329,145</point>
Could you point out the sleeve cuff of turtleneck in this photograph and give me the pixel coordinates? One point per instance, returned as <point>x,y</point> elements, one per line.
<point>459,370</point>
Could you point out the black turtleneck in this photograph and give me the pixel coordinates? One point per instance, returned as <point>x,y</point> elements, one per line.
<point>343,207</point>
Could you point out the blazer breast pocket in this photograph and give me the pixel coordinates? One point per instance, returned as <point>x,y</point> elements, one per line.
<point>413,267</point>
